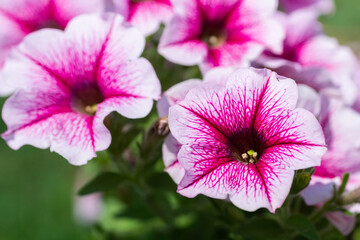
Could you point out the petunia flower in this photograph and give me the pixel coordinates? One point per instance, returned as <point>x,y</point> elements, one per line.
<point>146,15</point>
<point>171,146</point>
<point>309,57</point>
<point>70,81</point>
<point>341,126</point>
<point>220,33</point>
<point>21,17</point>
<point>315,6</point>
<point>243,141</point>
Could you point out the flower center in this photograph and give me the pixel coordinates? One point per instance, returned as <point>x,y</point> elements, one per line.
<point>85,98</point>
<point>213,34</point>
<point>247,146</point>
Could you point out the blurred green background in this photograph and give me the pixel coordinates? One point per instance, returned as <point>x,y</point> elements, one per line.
<point>37,187</point>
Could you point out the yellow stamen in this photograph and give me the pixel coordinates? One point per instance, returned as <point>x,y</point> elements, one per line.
<point>91,109</point>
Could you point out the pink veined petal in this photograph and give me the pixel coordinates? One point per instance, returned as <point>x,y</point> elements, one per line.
<point>344,223</point>
<point>255,38</point>
<point>248,12</point>
<point>64,10</point>
<point>23,71</point>
<point>170,149</point>
<point>99,38</point>
<point>180,41</point>
<point>299,140</point>
<point>45,119</point>
<point>267,186</point>
<point>214,173</point>
<point>135,79</point>
<point>148,15</point>
<point>268,99</point>
<point>175,94</point>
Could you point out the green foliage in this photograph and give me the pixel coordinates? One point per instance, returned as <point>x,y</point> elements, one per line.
<point>103,182</point>
<point>303,226</point>
<point>301,180</point>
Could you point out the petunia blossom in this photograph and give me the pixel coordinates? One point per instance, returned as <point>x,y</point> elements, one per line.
<point>315,6</point>
<point>146,15</point>
<point>341,126</point>
<point>21,17</point>
<point>70,81</point>
<point>171,146</point>
<point>244,140</point>
<point>309,57</point>
<point>220,33</point>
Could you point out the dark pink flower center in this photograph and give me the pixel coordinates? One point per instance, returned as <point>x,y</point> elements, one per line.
<point>247,146</point>
<point>85,98</point>
<point>213,33</point>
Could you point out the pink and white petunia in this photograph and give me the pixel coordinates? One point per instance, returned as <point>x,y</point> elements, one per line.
<point>311,58</point>
<point>171,146</point>
<point>220,33</point>
<point>244,140</point>
<point>341,126</point>
<point>146,15</point>
<point>315,6</point>
<point>68,82</point>
<point>21,17</point>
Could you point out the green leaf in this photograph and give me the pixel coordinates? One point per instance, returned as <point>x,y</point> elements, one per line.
<point>161,180</point>
<point>301,181</point>
<point>258,229</point>
<point>345,179</point>
<point>303,226</point>
<point>102,182</point>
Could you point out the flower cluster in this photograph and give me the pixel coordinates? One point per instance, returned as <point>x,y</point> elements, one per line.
<point>277,95</point>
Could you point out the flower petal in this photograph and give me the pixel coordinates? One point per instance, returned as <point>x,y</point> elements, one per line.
<point>148,15</point>
<point>175,94</point>
<point>246,12</point>
<point>319,6</point>
<point>179,42</point>
<point>135,79</point>
<point>320,190</point>
<point>170,149</point>
<point>344,223</point>
<point>65,10</point>
<point>214,173</point>
<point>45,119</point>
